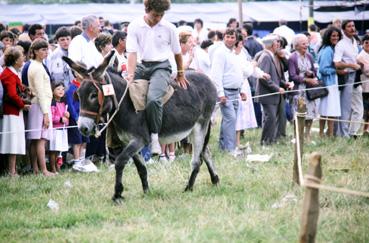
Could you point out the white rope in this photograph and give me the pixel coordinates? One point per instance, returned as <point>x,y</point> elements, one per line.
<point>37,130</point>
<point>253,97</point>
<point>301,90</point>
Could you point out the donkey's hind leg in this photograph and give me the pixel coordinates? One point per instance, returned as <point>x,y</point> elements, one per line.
<point>142,172</point>
<point>206,156</point>
<point>197,138</point>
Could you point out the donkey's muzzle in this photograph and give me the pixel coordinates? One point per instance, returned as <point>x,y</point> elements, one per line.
<point>86,125</point>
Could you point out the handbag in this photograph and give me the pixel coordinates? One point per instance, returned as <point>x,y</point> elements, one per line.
<point>320,92</point>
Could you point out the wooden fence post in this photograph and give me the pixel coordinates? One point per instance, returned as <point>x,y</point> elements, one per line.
<point>310,210</point>
<point>301,109</point>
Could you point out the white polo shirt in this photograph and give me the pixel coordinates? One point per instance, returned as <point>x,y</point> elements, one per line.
<point>84,50</point>
<point>152,44</point>
<point>346,51</point>
<point>226,72</point>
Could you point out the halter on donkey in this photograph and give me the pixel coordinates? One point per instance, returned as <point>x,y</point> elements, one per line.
<point>187,113</point>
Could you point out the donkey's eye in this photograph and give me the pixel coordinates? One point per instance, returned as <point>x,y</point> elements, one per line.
<point>93,96</point>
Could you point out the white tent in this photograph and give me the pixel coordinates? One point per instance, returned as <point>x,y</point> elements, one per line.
<point>210,13</point>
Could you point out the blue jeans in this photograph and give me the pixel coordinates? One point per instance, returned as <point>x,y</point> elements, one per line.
<point>227,138</point>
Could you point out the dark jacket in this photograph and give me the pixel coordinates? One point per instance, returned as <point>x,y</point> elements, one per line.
<point>267,64</point>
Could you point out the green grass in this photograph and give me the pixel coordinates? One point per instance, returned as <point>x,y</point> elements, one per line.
<point>238,210</point>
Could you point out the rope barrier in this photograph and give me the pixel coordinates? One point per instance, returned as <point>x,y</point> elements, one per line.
<point>302,90</point>
<point>253,97</point>
<point>340,120</point>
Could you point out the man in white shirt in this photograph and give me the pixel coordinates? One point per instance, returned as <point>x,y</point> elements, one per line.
<point>228,78</point>
<point>345,53</point>
<point>286,32</point>
<point>154,40</point>
<point>119,44</point>
<point>82,48</point>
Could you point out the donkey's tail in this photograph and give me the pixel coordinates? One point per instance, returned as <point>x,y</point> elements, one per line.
<point>207,137</point>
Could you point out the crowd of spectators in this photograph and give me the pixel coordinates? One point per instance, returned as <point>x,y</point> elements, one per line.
<point>254,78</point>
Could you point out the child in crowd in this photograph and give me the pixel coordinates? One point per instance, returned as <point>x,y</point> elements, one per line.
<point>75,138</point>
<point>60,117</point>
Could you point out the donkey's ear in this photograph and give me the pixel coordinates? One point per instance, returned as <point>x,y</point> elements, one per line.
<point>101,69</point>
<point>79,71</point>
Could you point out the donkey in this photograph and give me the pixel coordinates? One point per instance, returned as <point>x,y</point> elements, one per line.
<point>187,113</point>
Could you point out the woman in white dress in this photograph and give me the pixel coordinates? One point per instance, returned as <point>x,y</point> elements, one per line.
<point>246,115</point>
<point>329,106</point>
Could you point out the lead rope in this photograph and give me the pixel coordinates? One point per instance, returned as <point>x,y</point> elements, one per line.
<point>98,132</point>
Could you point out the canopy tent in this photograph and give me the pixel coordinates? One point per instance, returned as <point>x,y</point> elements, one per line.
<point>211,13</point>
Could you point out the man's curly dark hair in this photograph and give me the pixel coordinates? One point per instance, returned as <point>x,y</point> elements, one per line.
<point>158,6</point>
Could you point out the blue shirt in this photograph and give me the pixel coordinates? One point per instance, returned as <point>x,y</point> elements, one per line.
<point>327,70</point>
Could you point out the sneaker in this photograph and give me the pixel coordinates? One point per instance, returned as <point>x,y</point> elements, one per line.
<point>163,158</point>
<point>236,153</point>
<point>85,166</point>
<point>150,162</point>
<point>155,145</point>
<point>172,157</point>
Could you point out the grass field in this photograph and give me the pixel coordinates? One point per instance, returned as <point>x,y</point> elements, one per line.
<point>240,209</point>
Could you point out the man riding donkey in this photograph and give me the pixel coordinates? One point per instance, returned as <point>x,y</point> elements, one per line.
<point>154,40</point>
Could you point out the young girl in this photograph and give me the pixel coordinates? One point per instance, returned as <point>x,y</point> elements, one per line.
<point>60,117</point>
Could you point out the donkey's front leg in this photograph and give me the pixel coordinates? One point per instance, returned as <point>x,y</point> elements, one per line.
<point>120,163</point>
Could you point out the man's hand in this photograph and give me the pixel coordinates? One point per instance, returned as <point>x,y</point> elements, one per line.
<point>182,81</point>
<point>243,96</point>
<point>355,66</point>
<point>341,71</point>
<point>281,90</point>
<point>222,99</point>
<point>265,76</point>
<point>290,85</point>
<point>130,78</point>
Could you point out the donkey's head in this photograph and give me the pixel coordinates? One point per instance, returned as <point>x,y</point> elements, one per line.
<point>93,104</point>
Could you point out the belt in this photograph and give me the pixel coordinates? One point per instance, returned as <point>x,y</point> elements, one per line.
<point>228,89</point>
<point>152,62</point>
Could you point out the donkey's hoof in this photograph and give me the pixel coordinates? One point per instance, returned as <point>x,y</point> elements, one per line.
<point>215,180</point>
<point>118,200</point>
<point>146,191</point>
<point>188,188</point>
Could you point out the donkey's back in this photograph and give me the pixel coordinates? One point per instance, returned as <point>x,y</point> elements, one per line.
<point>189,107</point>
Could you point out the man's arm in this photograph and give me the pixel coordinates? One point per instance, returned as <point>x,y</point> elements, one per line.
<point>343,65</point>
<point>131,65</point>
<point>265,64</point>
<point>337,59</point>
<point>217,72</point>
<point>181,80</point>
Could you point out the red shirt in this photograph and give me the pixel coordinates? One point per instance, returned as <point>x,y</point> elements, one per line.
<point>13,104</point>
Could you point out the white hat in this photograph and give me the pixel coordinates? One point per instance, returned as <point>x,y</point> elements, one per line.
<point>269,39</point>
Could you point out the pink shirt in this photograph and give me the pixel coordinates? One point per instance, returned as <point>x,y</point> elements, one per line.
<point>58,110</point>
